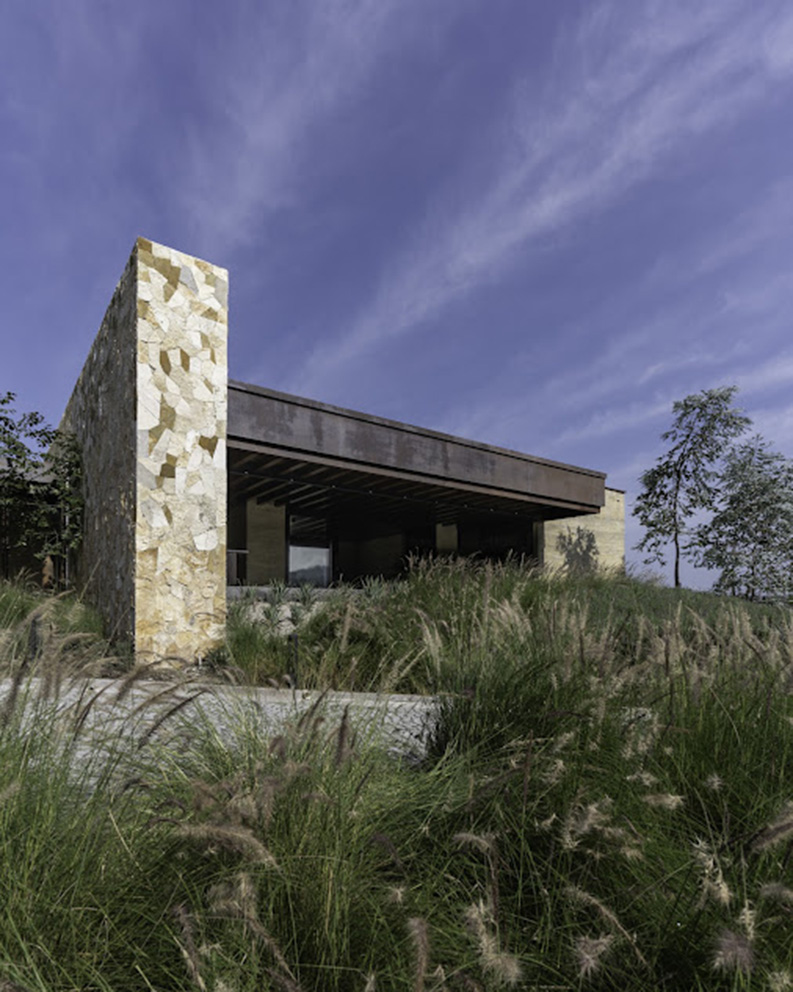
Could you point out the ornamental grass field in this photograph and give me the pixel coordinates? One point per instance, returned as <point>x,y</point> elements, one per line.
<point>606,801</point>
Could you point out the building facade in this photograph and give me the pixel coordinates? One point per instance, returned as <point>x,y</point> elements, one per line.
<point>194,482</point>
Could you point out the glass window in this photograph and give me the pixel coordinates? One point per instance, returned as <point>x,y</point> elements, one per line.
<point>309,564</point>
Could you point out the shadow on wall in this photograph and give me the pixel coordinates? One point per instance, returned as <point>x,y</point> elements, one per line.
<point>579,549</point>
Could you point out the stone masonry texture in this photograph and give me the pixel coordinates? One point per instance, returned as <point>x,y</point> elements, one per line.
<point>101,414</point>
<point>150,410</point>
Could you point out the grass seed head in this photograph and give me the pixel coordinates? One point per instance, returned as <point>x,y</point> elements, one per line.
<point>238,840</point>
<point>419,934</point>
<point>734,952</point>
<point>187,946</point>
<point>221,985</point>
<point>714,885</point>
<point>664,800</point>
<point>504,968</point>
<point>777,892</point>
<point>748,919</point>
<point>777,831</point>
<point>582,820</point>
<point>555,772</point>
<point>345,739</point>
<point>477,918</point>
<point>647,779</point>
<point>482,842</point>
<point>563,739</point>
<point>583,898</point>
<point>588,953</point>
<point>236,898</point>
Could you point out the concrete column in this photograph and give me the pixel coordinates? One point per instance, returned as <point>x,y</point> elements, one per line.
<point>150,412</point>
<point>266,542</point>
<point>446,538</point>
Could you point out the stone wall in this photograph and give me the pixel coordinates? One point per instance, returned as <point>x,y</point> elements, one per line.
<point>101,414</point>
<point>608,528</point>
<point>180,530</point>
<point>150,411</point>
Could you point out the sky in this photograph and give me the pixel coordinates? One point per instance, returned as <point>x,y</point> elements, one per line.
<point>533,224</point>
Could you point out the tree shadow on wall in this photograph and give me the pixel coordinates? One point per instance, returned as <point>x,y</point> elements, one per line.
<point>579,550</point>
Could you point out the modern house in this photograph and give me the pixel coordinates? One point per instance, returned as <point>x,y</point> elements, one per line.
<point>194,482</point>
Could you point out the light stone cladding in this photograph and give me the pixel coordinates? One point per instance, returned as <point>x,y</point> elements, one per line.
<point>150,411</point>
<point>608,526</point>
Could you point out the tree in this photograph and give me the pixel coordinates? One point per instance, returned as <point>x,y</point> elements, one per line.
<point>750,537</point>
<point>41,502</point>
<point>684,481</point>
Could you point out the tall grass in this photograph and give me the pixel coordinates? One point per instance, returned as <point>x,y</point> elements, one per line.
<point>52,635</point>
<point>606,803</point>
<point>418,634</point>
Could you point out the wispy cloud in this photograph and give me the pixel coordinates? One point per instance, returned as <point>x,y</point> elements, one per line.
<point>760,226</point>
<point>768,375</point>
<point>604,423</point>
<point>754,382</point>
<point>592,396</point>
<point>68,68</point>
<point>644,81</point>
<point>274,86</point>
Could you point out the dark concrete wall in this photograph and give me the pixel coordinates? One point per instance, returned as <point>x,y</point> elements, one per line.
<point>371,556</point>
<point>299,425</point>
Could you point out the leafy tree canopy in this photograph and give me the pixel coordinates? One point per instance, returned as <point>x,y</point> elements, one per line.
<point>684,480</point>
<point>750,536</point>
<point>40,492</point>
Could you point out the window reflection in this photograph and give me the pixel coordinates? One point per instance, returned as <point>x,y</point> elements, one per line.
<point>309,564</point>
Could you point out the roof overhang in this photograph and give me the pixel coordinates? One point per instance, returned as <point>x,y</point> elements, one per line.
<point>313,455</point>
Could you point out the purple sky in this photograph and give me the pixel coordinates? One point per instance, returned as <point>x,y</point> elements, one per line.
<point>534,224</point>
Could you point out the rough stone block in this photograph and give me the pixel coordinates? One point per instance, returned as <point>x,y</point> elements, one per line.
<point>151,394</point>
